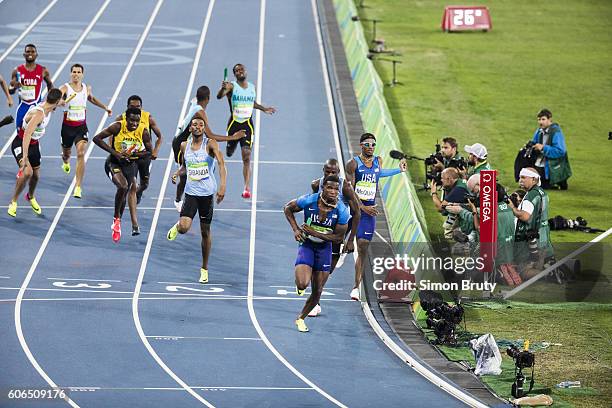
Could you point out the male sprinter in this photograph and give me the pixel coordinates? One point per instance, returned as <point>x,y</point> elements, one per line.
<point>348,197</point>
<point>74,127</point>
<point>27,79</point>
<point>196,110</point>
<point>26,149</point>
<point>127,138</point>
<point>200,155</point>
<point>143,164</point>
<point>325,221</point>
<point>363,172</point>
<point>241,97</point>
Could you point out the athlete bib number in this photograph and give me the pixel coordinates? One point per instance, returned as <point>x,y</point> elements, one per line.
<point>243,112</point>
<point>197,172</point>
<point>76,113</point>
<point>365,190</point>
<point>322,230</point>
<point>38,133</point>
<point>27,92</point>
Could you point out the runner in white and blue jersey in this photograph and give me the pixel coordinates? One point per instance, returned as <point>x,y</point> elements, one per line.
<point>201,157</point>
<point>325,221</point>
<point>197,109</point>
<point>363,172</point>
<point>241,96</point>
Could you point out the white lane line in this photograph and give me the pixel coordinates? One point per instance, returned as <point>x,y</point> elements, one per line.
<point>85,280</point>
<point>27,30</point>
<point>5,277</point>
<point>47,238</point>
<point>91,207</point>
<point>58,71</point>
<point>251,280</point>
<point>196,283</point>
<point>86,389</point>
<point>147,251</point>
<point>299,163</point>
<point>166,297</point>
<point>389,342</point>
<point>293,287</point>
<point>203,338</point>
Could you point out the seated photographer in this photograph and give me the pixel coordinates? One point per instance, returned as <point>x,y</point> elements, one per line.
<point>552,162</point>
<point>450,156</point>
<point>477,160</point>
<point>455,190</point>
<point>532,236</point>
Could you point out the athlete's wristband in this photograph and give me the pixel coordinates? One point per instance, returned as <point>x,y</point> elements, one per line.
<point>389,172</point>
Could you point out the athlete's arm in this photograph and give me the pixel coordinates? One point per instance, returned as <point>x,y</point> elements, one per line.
<point>181,169</point>
<point>348,191</point>
<point>47,78</point>
<point>226,88</point>
<point>9,98</point>
<point>33,122</point>
<point>146,140</point>
<point>14,83</point>
<point>211,135</point>
<point>158,134</point>
<point>289,209</point>
<point>111,130</point>
<point>214,149</point>
<point>337,236</point>
<point>315,185</point>
<point>91,98</point>
<point>269,110</point>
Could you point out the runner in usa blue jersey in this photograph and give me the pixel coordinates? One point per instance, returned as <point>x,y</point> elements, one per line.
<point>325,221</point>
<point>363,172</point>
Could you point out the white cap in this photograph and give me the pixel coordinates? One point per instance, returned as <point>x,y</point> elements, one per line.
<point>477,150</point>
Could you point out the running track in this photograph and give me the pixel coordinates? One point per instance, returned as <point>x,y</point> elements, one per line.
<point>125,324</point>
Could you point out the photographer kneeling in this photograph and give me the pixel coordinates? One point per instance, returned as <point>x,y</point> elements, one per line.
<point>532,237</point>
<point>455,191</point>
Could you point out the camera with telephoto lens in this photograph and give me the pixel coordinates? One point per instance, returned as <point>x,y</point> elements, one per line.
<point>443,319</point>
<point>522,359</point>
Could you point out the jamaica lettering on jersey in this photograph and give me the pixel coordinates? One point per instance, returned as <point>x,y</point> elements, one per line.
<point>127,141</point>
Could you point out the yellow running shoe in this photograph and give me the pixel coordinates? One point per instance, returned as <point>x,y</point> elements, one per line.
<point>301,326</point>
<point>77,192</point>
<point>66,167</point>
<point>172,233</point>
<point>203,275</point>
<point>300,292</point>
<point>12,209</point>
<point>34,204</point>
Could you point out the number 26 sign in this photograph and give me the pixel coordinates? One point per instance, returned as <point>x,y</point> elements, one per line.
<point>464,18</point>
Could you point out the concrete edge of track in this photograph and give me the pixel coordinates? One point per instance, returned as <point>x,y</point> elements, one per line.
<point>346,117</point>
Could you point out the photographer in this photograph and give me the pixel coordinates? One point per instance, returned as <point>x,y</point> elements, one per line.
<point>450,156</point>
<point>468,223</point>
<point>455,191</point>
<point>477,159</point>
<point>552,162</point>
<point>532,230</point>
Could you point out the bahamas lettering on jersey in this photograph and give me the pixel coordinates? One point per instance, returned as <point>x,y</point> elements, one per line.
<point>243,98</point>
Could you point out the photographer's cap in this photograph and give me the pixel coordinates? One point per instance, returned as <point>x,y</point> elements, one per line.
<point>477,150</point>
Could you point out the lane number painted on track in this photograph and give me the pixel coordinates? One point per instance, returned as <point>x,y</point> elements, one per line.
<point>61,284</point>
<point>212,289</point>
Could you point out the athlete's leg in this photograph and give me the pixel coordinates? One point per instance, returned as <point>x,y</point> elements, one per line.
<point>303,274</point>
<point>131,198</point>
<point>362,249</point>
<point>34,181</point>
<point>81,147</point>
<point>22,180</point>
<point>180,186</point>
<point>318,282</point>
<point>66,153</point>
<point>8,119</point>
<point>246,165</point>
<point>206,243</point>
<point>121,183</point>
<point>143,171</point>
